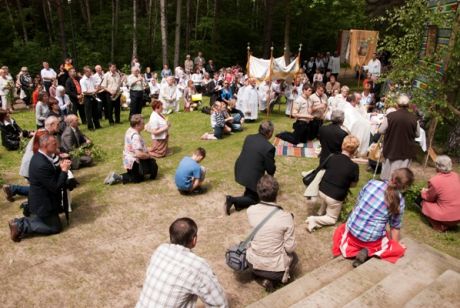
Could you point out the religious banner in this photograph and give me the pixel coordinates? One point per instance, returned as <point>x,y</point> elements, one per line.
<point>272,69</point>
<point>361,46</point>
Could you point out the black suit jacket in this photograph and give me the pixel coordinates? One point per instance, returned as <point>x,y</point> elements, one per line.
<point>256,158</point>
<point>46,183</point>
<point>71,140</point>
<point>331,138</point>
<point>71,90</point>
<point>213,93</point>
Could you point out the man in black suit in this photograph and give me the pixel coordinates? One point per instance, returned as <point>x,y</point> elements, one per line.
<point>331,136</point>
<point>73,90</point>
<point>256,158</point>
<point>214,89</point>
<point>45,195</point>
<point>72,138</point>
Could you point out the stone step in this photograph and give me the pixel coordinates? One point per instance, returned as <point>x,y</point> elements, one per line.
<point>348,286</point>
<point>305,285</point>
<point>443,292</point>
<point>406,281</point>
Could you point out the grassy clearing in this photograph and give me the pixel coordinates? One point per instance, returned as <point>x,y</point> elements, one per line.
<point>101,258</point>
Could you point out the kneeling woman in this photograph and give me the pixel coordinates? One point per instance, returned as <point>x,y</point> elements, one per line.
<point>271,253</point>
<point>341,173</point>
<point>364,234</point>
<point>158,126</point>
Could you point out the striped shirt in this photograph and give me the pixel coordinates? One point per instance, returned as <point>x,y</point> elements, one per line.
<point>370,216</point>
<point>176,277</point>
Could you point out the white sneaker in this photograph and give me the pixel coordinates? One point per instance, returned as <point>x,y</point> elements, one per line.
<point>108,178</point>
<point>304,173</point>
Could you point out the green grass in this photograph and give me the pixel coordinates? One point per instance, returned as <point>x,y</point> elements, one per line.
<point>221,155</point>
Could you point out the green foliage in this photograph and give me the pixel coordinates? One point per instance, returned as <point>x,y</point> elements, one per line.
<point>91,149</point>
<point>412,193</point>
<point>403,38</point>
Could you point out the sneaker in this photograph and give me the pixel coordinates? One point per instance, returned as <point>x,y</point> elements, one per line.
<point>304,173</point>
<point>108,178</point>
<point>310,228</point>
<point>8,193</point>
<point>198,191</point>
<point>169,111</point>
<point>361,257</point>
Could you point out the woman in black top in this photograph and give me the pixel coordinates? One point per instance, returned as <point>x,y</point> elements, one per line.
<point>341,174</point>
<point>11,132</point>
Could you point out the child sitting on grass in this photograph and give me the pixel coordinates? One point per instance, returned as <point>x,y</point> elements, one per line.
<point>217,122</point>
<point>190,175</point>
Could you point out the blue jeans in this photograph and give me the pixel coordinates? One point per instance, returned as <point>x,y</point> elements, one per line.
<point>19,190</point>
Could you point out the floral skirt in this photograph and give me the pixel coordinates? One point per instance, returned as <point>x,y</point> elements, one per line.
<point>345,244</point>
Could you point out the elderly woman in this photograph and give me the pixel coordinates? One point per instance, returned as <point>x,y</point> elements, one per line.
<point>340,174</point>
<point>137,161</point>
<point>65,105</point>
<point>158,127</point>
<point>365,233</point>
<point>271,252</point>
<point>440,202</point>
<point>189,91</point>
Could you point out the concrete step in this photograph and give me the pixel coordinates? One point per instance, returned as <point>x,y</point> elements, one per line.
<point>348,286</point>
<point>443,292</point>
<point>405,282</point>
<point>305,285</point>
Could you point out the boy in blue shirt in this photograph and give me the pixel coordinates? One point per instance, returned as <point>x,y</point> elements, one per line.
<point>189,174</point>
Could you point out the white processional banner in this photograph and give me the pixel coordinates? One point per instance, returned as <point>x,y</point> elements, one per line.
<point>263,69</point>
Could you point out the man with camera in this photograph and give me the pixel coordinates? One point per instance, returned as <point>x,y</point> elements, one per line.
<point>45,195</point>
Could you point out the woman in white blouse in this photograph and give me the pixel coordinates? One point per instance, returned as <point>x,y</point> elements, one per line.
<point>158,127</point>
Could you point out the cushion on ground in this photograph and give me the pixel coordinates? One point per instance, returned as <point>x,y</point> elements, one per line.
<point>310,149</point>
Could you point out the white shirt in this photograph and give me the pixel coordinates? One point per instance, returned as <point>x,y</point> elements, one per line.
<point>98,78</point>
<point>134,84</point>
<point>157,121</point>
<point>334,65</point>
<point>374,67</point>
<point>48,74</point>
<point>176,277</point>
<point>167,92</point>
<point>88,84</point>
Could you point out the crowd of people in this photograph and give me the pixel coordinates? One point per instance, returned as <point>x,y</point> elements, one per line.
<point>313,98</point>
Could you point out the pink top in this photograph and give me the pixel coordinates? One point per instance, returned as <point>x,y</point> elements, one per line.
<point>441,201</point>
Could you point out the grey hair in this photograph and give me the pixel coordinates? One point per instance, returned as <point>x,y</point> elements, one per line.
<point>403,100</point>
<point>443,164</point>
<point>43,140</point>
<point>266,128</point>
<point>337,116</point>
<point>50,120</point>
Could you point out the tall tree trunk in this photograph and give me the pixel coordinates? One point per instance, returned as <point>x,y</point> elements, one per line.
<point>83,11</point>
<point>88,14</point>
<point>21,20</point>
<point>47,22</point>
<point>177,34</point>
<point>134,28</point>
<point>155,23</point>
<point>187,25</point>
<point>164,32</point>
<point>149,15</point>
<point>197,10</point>
<point>113,30</point>
<point>287,29</point>
<point>10,17</point>
<point>61,20</point>
<point>214,33</point>
<point>268,27</point>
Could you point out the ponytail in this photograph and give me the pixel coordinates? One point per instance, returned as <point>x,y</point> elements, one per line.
<point>400,180</point>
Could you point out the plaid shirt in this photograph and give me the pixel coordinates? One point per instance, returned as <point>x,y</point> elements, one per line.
<point>370,216</point>
<point>176,277</point>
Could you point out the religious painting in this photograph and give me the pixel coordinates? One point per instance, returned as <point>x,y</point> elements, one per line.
<point>431,40</point>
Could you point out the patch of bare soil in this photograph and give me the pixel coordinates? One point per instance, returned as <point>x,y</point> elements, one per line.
<point>100,260</point>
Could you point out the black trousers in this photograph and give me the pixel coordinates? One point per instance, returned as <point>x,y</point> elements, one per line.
<point>102,105</point>
<point>39,225</point>
<point>47,85</point>
<point>138,172</point>
<point>113,107</point>
<point>79,109</point>
<point>303,131</point>
<point>249,198</point>
<point>91,111</point>
<point>137,101</point>
<point>275,276</point>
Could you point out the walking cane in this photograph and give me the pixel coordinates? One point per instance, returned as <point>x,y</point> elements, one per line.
<point>379,142</point>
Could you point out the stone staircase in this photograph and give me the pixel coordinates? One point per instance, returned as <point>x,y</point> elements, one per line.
<point>424,277</point>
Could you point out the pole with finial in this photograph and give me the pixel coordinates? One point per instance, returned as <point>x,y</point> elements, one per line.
<point>249,57</point>
<point>270,71</point>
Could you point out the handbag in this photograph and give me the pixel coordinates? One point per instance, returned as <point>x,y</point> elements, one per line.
<point>309,178</point>
<point>235,257</point>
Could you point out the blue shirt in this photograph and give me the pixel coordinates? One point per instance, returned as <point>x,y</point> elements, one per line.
<point>370,216</point>
<point>187,170</point>
<point>226,94</point>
